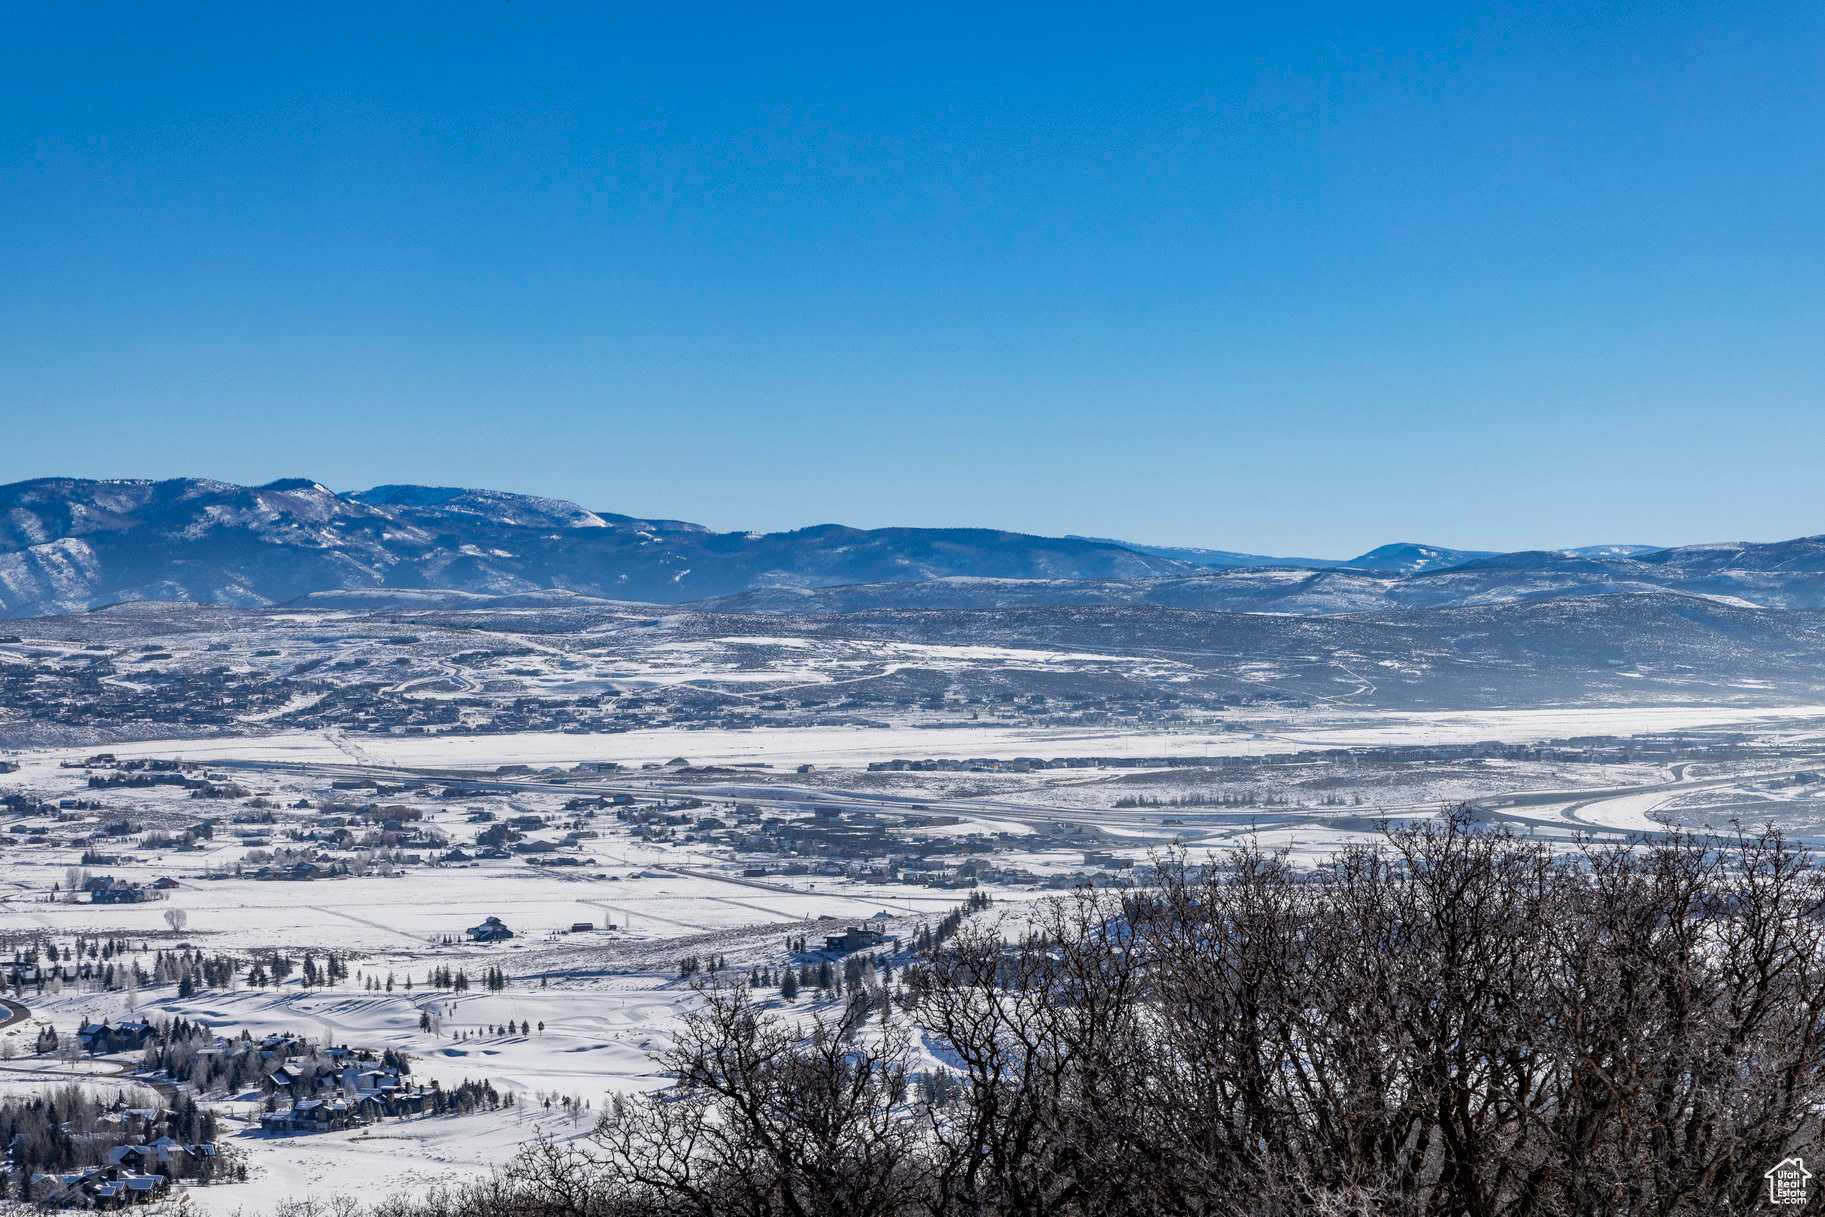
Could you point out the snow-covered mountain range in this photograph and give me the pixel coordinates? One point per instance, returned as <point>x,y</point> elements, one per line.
<point>68,544</point>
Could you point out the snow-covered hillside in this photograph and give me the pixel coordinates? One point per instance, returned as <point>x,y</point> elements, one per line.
<point>67,545</point>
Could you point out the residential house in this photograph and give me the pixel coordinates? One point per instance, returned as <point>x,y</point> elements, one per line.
<point>108,890</point>
<point>100,1037</point>
<point>491,930</point>
<point>854,938</point>
<point>312,1115</point>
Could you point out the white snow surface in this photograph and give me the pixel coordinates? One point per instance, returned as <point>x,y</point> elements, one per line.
<point>1319,728</point>
<point>609,999</point>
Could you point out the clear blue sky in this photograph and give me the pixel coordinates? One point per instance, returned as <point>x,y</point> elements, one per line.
<point>1278,278</point>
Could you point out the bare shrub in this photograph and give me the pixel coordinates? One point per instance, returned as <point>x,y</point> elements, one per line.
<point>1452,1022</point>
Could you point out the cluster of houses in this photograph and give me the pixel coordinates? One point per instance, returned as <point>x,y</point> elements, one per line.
<point>342,1098</point>
<point>106,889</point>
<point>313,1090</point>
<point>133,1174</point>
<point>301,872</point>
<point>99,1187</point>
<point>119,1037</point>
<point>165,1156</point>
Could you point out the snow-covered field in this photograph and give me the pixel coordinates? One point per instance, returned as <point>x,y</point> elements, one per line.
<point>1311,729</point>
<point>673,867</point>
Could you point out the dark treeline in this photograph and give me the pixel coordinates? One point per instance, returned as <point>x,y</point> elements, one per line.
<point>468,1097</point>
<point>97,963</point>
<point>1456,1022</point>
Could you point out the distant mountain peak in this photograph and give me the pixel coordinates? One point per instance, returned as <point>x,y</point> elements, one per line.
<point>1401,557</point>
<point>1215,559</point>
<point>406,495</point>
<point>1413,558</point>
<point>520,510</point>
<point>1610,551</point>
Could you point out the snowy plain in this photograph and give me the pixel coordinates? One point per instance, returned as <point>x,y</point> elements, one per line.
<point>1326,765</point>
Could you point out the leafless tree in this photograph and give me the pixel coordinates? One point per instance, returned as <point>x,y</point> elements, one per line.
<point>770,1117</point>
<point>1454,1021</point>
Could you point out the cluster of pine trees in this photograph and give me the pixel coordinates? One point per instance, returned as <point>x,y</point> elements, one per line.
<point>190,970</point>
<point>105,963</point>
<point>275,967</point>
<point>96,962</point>
<point>1235,799</point>
<point>828,978</point>
<point>469,1096</point>
<point>334,968</point>
<point>98,949</point>
<point>692,965</point>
